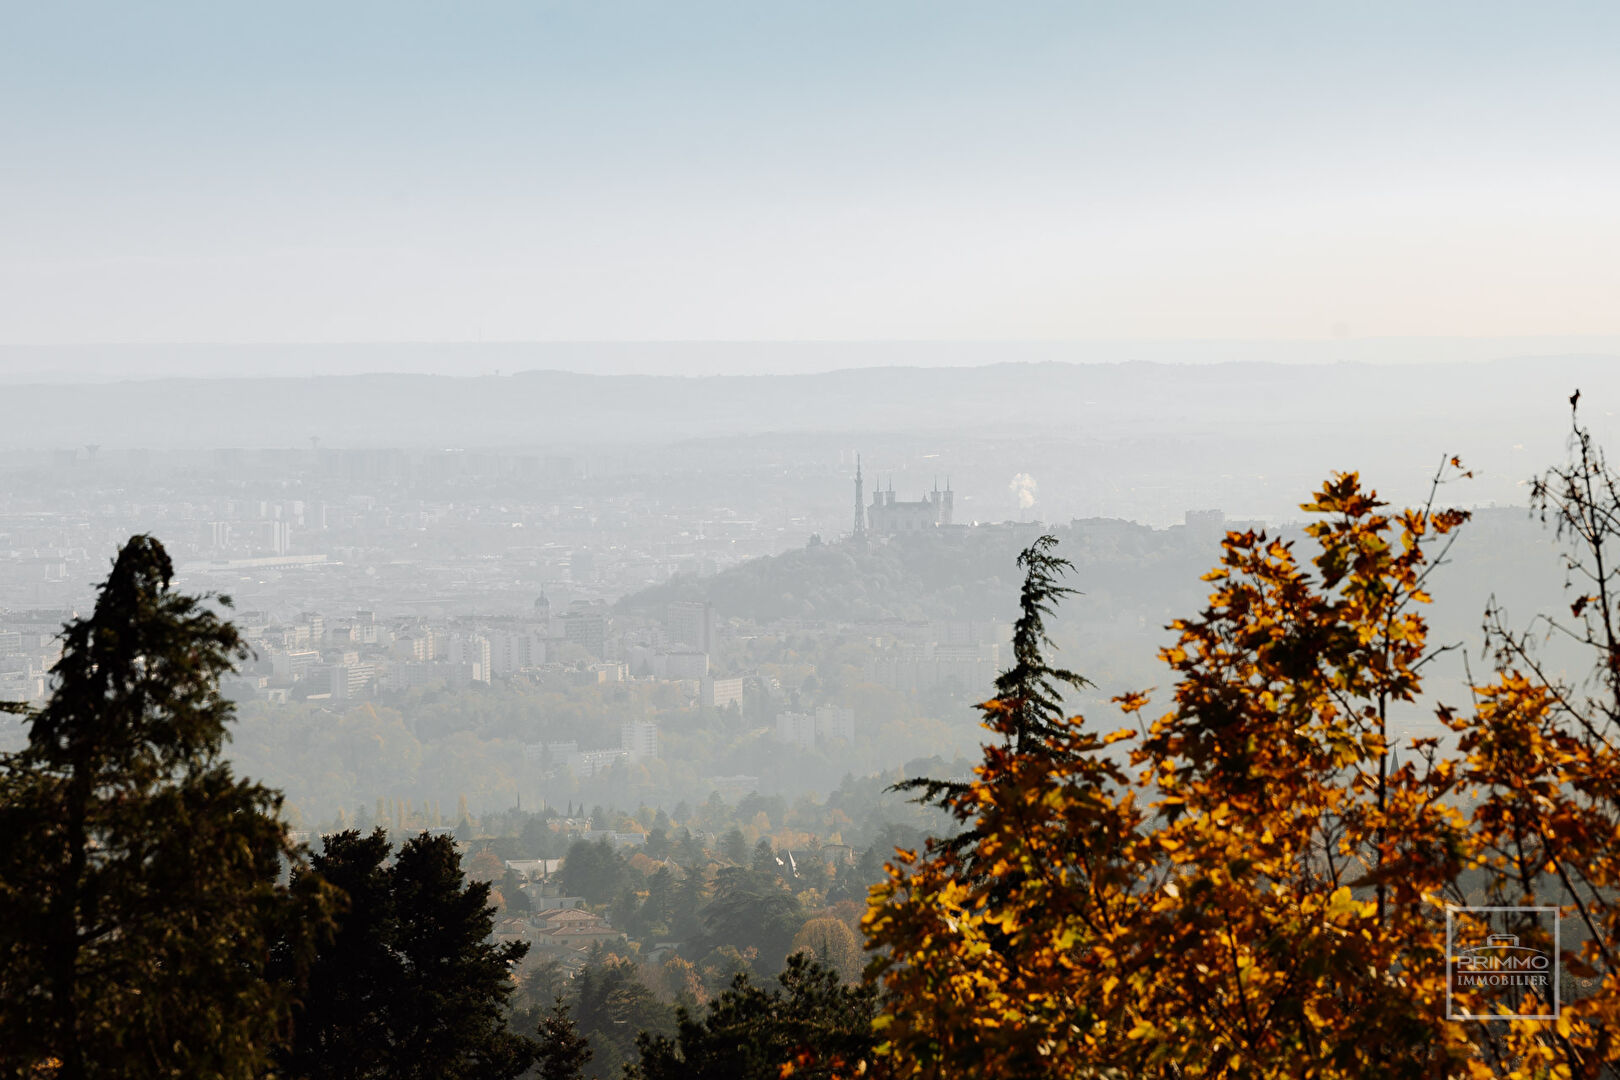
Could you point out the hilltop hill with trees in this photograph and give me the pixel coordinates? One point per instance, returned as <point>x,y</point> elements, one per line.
<point>946,575</point>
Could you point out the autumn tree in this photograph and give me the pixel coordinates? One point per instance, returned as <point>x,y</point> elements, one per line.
<point>1300,874</point>
<point>1264,895</point>
<point>139,893</point>
<point>485,865</point>
<point>1543,766</point>
<point>833,944</point>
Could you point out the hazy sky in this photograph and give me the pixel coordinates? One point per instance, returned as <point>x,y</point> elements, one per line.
<point>278,172</point>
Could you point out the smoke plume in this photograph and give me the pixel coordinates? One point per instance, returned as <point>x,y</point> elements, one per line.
<point>1023,488</point>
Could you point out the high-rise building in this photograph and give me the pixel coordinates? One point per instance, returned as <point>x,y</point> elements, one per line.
<point>691,623</point>
<point>510,651</point>
<point>473,651</point>
<point>718,693</point>
<point>796,728</point>
<point>639,739</point>
<point>350,678</point>
<point>585,625</point>
<point>827,724</point>
<point>276,535</point>
<point>834,724</point>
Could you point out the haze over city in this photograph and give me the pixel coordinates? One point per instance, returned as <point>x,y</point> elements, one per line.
<point>584,540</point>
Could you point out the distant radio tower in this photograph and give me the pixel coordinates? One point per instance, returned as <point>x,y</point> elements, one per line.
<point>860,503</point>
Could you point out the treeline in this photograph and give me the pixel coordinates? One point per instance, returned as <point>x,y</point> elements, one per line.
<point>157,920</point>
<point>434,747</point>
<point>1260,880</point>
<point>695,920</point>
<point>862,812</point>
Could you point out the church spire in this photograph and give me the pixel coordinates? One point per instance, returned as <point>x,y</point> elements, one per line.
<point>860,504</point>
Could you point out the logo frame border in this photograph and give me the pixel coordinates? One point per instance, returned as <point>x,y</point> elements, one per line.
<point>1558,954</point>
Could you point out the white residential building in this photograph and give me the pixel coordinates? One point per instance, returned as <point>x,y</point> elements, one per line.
<point>796,728</point>
<point>639,739</point>
<point>834,724</point>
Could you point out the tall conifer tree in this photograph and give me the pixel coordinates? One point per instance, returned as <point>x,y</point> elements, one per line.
<point>410,986</point>
<point>139,893</point>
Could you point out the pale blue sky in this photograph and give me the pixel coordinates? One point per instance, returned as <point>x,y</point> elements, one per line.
<point>694,171</point>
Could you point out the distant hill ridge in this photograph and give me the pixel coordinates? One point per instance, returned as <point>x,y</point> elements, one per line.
<point>552,407</point>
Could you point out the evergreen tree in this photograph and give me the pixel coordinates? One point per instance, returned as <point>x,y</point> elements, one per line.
<point>814,1026</point>
<point>544,981</point>
<point>611,1006</point>
<point>538,840</point>
<point>734,847</point>
<point>765,860</point>
<point>449,1011</point>
<point>1027,711</point>
<point>625,913</point>
<point>343,1028</point>
<point>564,1052</point>
<point>139,891</point>
<point>594,871</point>
<point>689,852</point>
<point>691,893</point>
<point>658,909</point>
<point>410,987</point>
<point>751,910</point>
